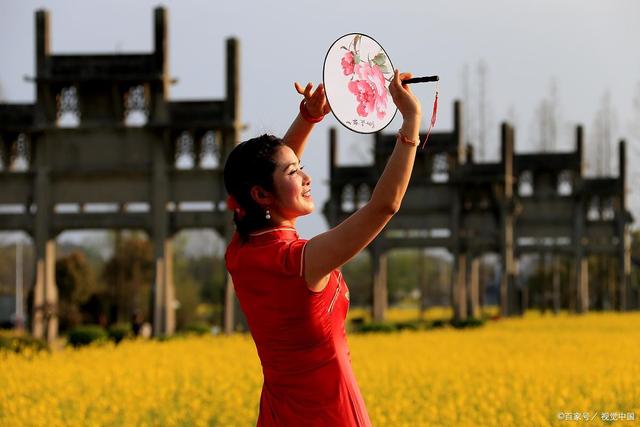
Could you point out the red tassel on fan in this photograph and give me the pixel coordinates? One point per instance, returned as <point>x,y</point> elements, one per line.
<point>433,117</point>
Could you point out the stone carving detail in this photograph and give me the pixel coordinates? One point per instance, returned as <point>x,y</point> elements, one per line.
<point>363,195</point>
<point>440,171</point>
<point>525,184</point>
<point>593,214</point>
<point>210,151</point>
<point>565,180</point>
<point>185,158</point>
<point>348,196</point>
<point>607,211</point>
<point>20,154</point>
<point>136,106</point>
<point>67,107</point>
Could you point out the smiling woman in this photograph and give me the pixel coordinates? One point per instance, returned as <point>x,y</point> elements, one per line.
<point>290,289</point>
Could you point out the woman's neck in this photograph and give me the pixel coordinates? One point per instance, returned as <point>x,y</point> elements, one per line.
<point>278,221</point>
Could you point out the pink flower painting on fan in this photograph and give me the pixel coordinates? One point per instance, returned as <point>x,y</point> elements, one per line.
<point>347,63</point>
<point>368,82</point>
<point>370,90</point>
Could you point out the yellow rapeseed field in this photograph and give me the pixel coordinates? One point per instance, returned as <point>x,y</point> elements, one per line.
<point>532,371</point>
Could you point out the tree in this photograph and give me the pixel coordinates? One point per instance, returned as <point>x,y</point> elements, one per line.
<point>477,118</point>
<point>603,131</point>
<point>187,292</point>
<point>210,273</point>
<point>76,283</point>
<point>408,271</point>
<point>548,119</point>
<point>129,277</point>
<point>403,274</point>
<point>357,274</point>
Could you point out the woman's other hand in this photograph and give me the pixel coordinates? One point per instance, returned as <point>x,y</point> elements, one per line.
<point>404,99</point>
<point>315,100</point>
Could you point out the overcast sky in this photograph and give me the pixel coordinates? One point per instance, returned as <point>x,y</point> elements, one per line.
<point>588,48</point>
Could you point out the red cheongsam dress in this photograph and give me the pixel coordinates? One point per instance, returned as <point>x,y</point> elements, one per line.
<point>299,334</point>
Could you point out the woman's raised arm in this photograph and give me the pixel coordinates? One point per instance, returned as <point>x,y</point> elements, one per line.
<point>335,247</point>
<point>317,106</point>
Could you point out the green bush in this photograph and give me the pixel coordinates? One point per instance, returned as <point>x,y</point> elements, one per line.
<point>18,342</point>
<point>357,322</point>
<point>471,322</point>
<point>438,323</point>
<point>86,334</point>
<point>377,327</point>
<point>412,325</point>
<point>119,331</point>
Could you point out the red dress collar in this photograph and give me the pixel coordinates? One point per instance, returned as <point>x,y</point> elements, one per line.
<point>271,234</point>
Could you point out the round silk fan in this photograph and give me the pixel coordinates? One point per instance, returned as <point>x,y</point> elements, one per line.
<point>356,76</point>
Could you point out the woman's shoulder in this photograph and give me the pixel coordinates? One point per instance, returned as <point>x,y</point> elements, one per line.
<point>276,255</point>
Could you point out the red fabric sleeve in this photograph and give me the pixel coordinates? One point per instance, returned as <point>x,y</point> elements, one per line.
<point>292,257</point>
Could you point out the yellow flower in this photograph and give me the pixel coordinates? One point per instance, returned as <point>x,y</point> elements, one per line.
<point>522,371</point>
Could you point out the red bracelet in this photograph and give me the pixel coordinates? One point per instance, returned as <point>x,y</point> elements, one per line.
<point>305,114</point>
<point>403,138</point>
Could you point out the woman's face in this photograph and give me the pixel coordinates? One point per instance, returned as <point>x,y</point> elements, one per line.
<point>292,187</point>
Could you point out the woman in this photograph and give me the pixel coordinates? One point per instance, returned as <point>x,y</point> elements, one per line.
<point>290,289</point>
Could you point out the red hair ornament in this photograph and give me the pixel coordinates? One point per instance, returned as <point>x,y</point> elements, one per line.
<point>233,206</point>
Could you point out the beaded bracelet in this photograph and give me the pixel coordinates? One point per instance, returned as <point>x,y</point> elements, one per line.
<point>305,114</point>
<point>403,138</point>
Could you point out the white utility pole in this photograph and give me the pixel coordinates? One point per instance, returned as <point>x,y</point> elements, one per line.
<point>19,322</point>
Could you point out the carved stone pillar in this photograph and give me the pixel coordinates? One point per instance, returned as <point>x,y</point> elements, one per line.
<point>458,277</point>
<point>556,285</point>
<point>169,312</point>
<point>45,302</point>
<point>582,284</point>
<point>507,220</point>
<point>473,282</point>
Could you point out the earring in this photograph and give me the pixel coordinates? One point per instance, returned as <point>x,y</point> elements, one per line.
<point>268,215</point>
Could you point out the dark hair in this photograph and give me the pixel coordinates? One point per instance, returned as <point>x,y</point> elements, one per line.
<point>251,163</point>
